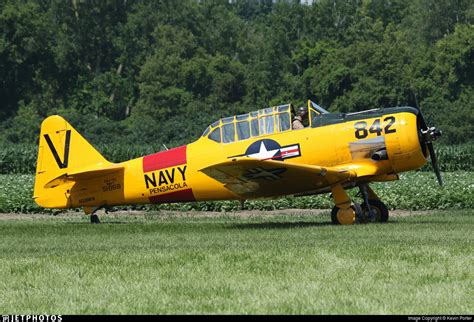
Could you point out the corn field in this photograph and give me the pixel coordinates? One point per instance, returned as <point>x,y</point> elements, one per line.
<point>414,191</point>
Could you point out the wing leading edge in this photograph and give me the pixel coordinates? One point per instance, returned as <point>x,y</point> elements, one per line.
<point>253,178</point>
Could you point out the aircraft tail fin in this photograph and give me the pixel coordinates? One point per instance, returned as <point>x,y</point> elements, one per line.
<point>63,155</point>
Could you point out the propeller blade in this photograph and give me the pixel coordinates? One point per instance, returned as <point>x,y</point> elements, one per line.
<point>428,135</point>
<point>423,124</point>
<point>434,162</point>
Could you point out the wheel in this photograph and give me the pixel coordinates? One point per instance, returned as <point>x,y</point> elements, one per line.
<point>95,219</point>
<point>379,209</point>
<point>346,216</point>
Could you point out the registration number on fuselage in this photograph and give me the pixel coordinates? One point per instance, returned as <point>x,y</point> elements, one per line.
<point>362,128</point>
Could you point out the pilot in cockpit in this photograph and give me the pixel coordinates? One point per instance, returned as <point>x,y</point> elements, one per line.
<point>301,118</point>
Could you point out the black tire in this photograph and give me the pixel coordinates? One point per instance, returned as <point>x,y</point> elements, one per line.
<point>357,208</point>
<point>359,213</point>
<point>380,208</point>
<point>334,216</point>
<point>95,219</point>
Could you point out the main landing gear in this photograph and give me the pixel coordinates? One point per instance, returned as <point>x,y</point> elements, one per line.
<point>346,212</point>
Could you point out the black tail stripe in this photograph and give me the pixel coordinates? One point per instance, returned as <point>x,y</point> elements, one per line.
<point>64,164</point>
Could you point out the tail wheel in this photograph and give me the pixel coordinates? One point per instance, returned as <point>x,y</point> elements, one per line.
<point>379,210</point>
<point>346,216</point>
<point>95,219</point>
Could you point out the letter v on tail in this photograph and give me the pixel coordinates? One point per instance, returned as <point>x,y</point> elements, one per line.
<point>61,164</point>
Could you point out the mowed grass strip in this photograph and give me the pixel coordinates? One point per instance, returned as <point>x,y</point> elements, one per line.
<point>421,264</point>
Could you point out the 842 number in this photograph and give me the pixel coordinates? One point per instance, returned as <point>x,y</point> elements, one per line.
<point>362,132</point>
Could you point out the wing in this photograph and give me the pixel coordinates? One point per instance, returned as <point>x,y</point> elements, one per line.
<point>252,178</point>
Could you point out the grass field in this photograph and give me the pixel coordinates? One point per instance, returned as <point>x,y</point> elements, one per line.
<point>278,264</point>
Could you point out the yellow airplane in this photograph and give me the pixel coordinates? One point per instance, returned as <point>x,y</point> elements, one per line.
<point>247,156</point>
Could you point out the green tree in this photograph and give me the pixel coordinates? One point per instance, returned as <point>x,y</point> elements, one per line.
<point>26,63</point>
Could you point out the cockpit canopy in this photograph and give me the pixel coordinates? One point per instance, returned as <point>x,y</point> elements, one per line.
<point>265,121</point>
<point>241,127</point>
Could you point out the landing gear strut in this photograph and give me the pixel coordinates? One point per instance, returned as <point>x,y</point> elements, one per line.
<point>363,190</point>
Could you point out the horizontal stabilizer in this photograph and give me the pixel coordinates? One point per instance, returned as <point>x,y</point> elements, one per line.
<point>83,174</point>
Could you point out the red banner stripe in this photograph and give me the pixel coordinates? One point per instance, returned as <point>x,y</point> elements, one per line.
<point>177,196</point>
<point>164,159</point>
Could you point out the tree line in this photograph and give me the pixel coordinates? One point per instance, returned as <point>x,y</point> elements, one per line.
<point>135,72</point>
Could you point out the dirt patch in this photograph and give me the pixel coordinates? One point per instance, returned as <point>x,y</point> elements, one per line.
<point>199,214</point>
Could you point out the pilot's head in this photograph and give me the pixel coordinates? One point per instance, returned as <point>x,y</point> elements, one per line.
<point>303,111</point>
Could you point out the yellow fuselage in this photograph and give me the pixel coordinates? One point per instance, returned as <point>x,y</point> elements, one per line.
<point>175,175</point>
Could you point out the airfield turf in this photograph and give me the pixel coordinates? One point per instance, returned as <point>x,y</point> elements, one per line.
<point>241,263</point>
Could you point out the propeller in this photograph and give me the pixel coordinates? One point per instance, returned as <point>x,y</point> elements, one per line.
<point>427,136</point>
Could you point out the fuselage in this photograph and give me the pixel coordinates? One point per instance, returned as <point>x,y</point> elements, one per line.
<point>339,141</point>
